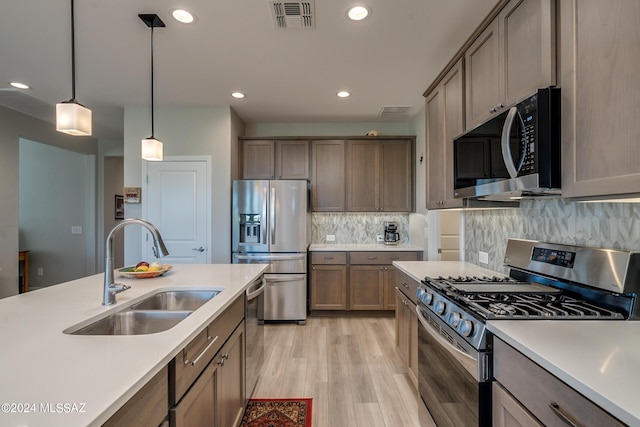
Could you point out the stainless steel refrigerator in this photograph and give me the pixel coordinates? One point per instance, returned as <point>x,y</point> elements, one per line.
<point>271,223</point>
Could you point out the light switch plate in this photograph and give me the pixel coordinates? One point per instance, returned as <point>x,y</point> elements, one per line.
<point>331,238</point>
<point>483,257</point>
<point>76,229</point>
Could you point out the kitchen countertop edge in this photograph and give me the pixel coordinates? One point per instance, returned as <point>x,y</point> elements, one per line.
<point>363,247</point>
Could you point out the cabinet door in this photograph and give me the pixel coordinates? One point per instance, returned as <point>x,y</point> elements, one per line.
<point>445,120</point>
<point>600,104</point>
<point>329,287</point>
<point>413,342</point>
<point>230,391</point>
<point>198,406</point>
<point>396,191</point>
<point>363,180</point>
<point>402,327</point>
<point>292,159</point>
<point>528,44</point>
<point>389,287</point>
<point>507,412</point>
<point>258,159</point>
<point>366,287</point>
<point>482,69</point>
<point>328,176</point>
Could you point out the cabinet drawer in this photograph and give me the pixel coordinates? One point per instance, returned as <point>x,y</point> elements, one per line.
<point>328,257</point>
<point>543,394</point>
<point>192,360</point>
<point>382,257</point>
<point>407,285</point>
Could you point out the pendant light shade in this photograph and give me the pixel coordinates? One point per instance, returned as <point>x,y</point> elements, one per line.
<point>151,147</point>
<point>72,117</point>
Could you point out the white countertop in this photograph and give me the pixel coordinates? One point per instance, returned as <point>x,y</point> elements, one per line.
<point>419,269</point>
<point>600,359</point>
<point>353,247</point>
<point>39,364</point>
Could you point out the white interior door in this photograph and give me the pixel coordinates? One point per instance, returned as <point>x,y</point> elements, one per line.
<point>178,205</point>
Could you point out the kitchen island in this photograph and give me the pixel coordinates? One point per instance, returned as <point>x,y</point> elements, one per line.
<point>50,378</point>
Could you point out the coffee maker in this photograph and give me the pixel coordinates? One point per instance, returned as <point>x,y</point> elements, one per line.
<point>391,235</point>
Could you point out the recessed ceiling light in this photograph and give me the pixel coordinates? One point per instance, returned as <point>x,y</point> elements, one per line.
<point>183,16</point>
<point>238,95</point>
<point>358,13</point>
<point>343,94</point>
<point>19,85</point>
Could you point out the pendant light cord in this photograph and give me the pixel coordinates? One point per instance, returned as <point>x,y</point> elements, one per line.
<point>73,56</point>
<point>151,80</point>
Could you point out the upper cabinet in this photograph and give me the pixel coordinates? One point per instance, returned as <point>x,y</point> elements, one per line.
<point>599,62</point>
<point>275,159</point>
<point>327,176</point>
<point>444,107</point>
<point>513,56</point>
<point>380,175</point>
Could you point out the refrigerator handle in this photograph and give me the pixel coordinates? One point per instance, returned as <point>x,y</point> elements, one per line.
<point>263,220</point>
<point>273,216</point>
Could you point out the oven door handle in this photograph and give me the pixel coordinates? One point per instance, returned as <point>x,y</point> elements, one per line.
<point>469,362</point>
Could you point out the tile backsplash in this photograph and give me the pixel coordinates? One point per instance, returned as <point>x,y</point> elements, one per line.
<point>606,225</point>
<point>355,228</point>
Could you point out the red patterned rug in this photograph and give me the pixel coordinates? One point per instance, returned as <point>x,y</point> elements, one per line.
<point>277,413</point>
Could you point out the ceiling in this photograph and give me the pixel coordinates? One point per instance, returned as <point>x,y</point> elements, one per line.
<point>288,75</point>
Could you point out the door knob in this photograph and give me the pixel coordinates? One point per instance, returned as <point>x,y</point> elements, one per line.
<point>200,249</point>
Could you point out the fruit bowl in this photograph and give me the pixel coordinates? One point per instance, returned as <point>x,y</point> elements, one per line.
<point>129,272</point>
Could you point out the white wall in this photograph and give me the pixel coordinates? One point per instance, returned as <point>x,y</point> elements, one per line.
<point>327,129</point>
<point>184,131</point>
<point>14,125</point>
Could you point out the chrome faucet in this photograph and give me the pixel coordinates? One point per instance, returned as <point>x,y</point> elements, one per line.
<point>110,287</point>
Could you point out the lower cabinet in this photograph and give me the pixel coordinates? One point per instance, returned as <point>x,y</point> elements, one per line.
<point>526,394</point>
<point>355,280</point>
<point>407,333</point>
<point>207,379</point>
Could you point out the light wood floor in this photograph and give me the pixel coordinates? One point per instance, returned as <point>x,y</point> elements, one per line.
<point>348,365</point>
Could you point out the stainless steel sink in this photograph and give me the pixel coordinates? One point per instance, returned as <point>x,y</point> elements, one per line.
<point>134,322</point>
<point>187,300</point>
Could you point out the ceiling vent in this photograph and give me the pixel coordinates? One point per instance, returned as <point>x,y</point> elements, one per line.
<point>292,14</point>
<point>394,111</point>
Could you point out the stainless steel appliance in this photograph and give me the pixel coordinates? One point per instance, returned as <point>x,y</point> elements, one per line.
<point>254,329</point>
<point>391,235</point>
<point>546,281</point>
<point>271,224</point>
<point>515,153</point>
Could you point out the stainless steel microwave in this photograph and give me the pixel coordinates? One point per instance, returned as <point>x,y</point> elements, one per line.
<point>513,154</point>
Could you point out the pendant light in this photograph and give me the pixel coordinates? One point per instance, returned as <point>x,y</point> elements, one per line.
<point>151,147</point>
<point>72,117</point>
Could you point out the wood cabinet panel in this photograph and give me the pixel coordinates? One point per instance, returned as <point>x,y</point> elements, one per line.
<point>328,257</point>
<point>396,189</point>
<point>258,159</point>
<point>198,407</point>
<point>292,160</point>
<point>407,334</point>
<point>329,287</point>
<point>328,176</point>
<point>382,257</point>
<point>599,60</point>
<point>365,287</point>
<point>507,411</point>
<point>445,120</point>
<point>363,180</point>
<point>230,391</point>
<point>538,391</point>
<point>148,407</point>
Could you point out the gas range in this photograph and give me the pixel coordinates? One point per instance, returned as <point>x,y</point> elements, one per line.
<point>546,281</point>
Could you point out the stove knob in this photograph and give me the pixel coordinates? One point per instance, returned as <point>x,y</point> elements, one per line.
<point>441,307</point>
<point>427,298</point>
<point>454,319</point>
<point>466,328</point>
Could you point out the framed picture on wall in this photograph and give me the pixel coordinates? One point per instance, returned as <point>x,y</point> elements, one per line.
<point>119,207</point>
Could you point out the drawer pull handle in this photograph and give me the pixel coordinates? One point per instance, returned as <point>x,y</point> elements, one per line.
<point>394,257</point>
<point>199,356</point>
<point>372,257</point>
<point>406,285</point>
<point>328,257</point>
<point>556,410</point>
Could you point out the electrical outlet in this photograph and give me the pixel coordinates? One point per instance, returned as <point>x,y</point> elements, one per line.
<point>483,257</point>
<point>380,238</point>
<point>40,271</point>
<point>76,229</point>
<point>331,237</point>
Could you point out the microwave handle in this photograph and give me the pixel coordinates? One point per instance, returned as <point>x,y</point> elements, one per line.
<point>507,156</point>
